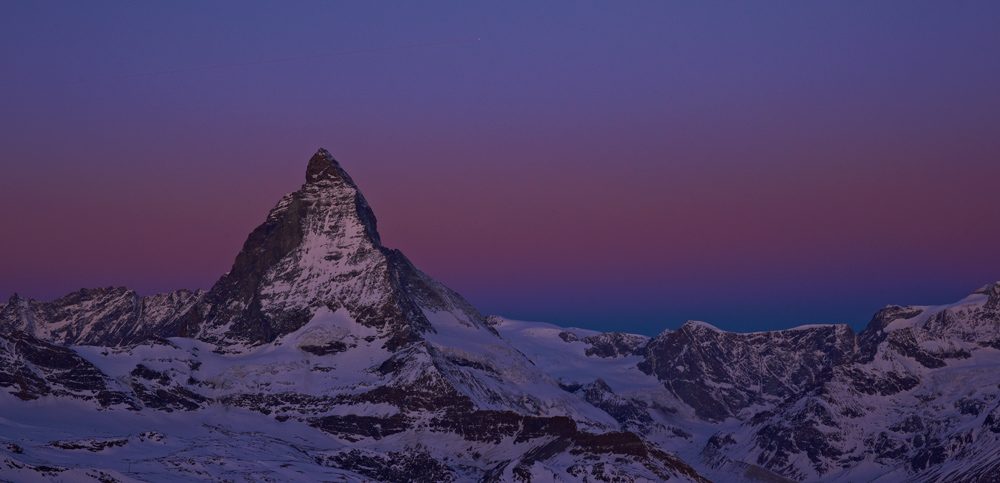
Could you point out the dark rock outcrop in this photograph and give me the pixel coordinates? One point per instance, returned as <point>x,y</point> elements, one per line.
<point>721,374</point>
<point>31,368</point>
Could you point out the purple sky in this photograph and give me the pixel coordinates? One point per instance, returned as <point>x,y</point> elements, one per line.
<point>617,166</point>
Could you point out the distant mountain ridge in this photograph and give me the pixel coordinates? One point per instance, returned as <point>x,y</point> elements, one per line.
<point>367,369</point>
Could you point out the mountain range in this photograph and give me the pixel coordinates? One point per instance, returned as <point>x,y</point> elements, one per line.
<point>322,355</point>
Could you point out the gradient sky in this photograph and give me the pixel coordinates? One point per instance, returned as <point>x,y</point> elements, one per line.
<point>609,165</point>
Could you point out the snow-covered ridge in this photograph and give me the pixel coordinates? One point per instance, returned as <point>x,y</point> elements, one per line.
<point>323,355</point>
<point>109,316</point>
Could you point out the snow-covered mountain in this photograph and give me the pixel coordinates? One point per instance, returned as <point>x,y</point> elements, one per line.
<point>324,356</point>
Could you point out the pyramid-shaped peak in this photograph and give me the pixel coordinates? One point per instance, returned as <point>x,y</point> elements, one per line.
<point>322,167</point>
<point>319,250</point>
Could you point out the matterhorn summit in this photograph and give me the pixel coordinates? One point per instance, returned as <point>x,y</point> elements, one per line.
<point>319,250</point>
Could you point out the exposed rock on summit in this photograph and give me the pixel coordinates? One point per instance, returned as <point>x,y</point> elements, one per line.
<point>319,248</point>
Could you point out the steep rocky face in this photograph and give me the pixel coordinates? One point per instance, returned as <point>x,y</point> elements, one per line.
<point>971,321</point>
<point>319,248</point>
<point>918,401</point>
<point>107,317</point>
<point>932,336</point>
<point>724,374</point>
<point>873,335</point>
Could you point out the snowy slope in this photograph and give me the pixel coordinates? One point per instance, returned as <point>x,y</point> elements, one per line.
<point>324,356</point>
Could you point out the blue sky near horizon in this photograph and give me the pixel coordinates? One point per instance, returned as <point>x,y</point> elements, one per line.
<point>610,166</point>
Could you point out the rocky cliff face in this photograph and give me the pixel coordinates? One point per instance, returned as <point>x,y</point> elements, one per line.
<point>363,368</point>
<point>912,402</point>
<point>726,375</point>
<point>319,249</point>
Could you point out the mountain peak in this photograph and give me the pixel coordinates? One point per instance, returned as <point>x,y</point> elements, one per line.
<point>319,251</point>
<point>325,172</point>
<point>322,166</point>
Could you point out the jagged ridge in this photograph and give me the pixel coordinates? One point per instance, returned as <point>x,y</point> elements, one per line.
<point>319,325</point>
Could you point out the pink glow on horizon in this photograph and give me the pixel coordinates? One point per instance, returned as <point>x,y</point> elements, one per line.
<point>619,160</point>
